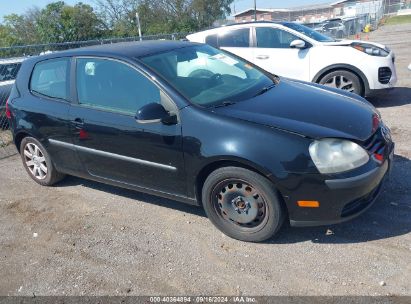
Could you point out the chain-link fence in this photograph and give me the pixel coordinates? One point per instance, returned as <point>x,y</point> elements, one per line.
<point>341,19</point>
<point>8,72</point>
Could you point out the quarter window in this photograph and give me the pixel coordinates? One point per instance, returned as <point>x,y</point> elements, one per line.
<point>235,38</point>
<point>268,37</point>
<point>49,78</point>
<point>212,40</point>
<point>112,85</point>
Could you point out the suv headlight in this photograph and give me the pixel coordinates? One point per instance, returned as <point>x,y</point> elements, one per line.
<point>370,49</point>
<point>333,155</point>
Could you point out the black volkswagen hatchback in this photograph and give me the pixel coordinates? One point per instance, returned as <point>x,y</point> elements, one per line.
<point>195,124</point>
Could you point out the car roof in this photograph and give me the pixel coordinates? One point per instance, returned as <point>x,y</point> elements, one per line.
<point>255,22</point>
<point>135,49</point>
<point>237,24</point>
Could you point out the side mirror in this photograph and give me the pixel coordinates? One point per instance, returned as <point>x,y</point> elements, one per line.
<point>297,44</point>
<point>153,113</point>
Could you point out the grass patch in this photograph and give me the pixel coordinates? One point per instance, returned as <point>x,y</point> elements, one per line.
<point>397,20</point>
<point>5,138</point>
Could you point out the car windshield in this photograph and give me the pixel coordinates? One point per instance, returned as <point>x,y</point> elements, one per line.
<point>308,32</point>
<point>207,76</point>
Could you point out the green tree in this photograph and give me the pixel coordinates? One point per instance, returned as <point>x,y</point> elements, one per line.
<point>206,12</point>
<point>59,22</point>
<point>161,16</point>
<point>118,16</point>
<point>19,29</point>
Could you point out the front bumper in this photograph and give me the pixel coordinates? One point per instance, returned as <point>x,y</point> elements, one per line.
<point>353,196</point>
<point>378,81</point>
<point>340,199</point>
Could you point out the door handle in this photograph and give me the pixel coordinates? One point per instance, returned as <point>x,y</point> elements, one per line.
<point>263,57</point>
<point>78,123</point>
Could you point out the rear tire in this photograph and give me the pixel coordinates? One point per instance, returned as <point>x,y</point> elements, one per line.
<point>242,204</point>
<point>38,163</point>
<point>344,80</point>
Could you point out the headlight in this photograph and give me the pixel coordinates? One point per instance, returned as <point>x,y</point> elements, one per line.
<point>370,49</point>
<point>332,155</point>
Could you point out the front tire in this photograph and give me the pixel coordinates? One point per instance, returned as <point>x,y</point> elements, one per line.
<point>38,163</point>
<point>242,204</point>
<point>343,80</point>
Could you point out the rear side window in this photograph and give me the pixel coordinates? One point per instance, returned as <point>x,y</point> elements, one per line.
<point>50,78</point>
<point>114,86</point>
<point>9,71</point>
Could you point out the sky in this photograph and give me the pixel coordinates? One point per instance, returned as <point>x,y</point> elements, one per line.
<point>20,6</point>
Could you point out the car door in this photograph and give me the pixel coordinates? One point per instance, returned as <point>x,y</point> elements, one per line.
<point>236,41</point>
<point>47,112</point>
<point>273,53</point>
<point>110,142</point>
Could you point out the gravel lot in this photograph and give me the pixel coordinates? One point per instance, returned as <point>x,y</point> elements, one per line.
<point>82,237</point>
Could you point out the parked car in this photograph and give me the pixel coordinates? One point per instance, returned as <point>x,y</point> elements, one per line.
<point>198,125</point>
<point>296,51</point>
<point>333,27</point>
<point>8,72</point>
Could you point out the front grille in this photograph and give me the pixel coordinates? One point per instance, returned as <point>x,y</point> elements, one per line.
<point>376,143</point>
<point>361,203</point>
<point>384,75</point>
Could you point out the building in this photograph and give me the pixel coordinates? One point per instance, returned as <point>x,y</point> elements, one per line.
<point>321,12</point>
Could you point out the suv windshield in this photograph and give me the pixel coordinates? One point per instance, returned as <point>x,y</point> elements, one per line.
<point>308,32</point>
<point>207,76</point>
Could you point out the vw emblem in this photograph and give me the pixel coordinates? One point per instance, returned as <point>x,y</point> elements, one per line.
<point>386,133</point>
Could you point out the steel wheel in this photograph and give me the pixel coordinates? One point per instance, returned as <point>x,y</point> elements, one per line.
<point>242,204</point>
<point>239,203</point>
<point>35,161</point>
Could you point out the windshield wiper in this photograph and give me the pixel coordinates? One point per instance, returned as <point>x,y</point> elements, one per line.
<point>265,89</point>
<point>225,103</point>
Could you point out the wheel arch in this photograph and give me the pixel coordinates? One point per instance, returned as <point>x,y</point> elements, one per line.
<point>215,164</point>
<point>18,137</point>
<point>346,67</point>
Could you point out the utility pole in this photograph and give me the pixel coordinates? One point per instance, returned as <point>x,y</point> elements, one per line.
<point>139,26</point>
<point>255,10</point>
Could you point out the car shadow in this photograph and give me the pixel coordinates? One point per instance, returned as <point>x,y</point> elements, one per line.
<point>390,215</point>
<point>134,195</point>
<point>398,96</point>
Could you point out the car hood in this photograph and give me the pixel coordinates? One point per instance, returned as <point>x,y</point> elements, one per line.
<point>307,109</point>
<point>348,42</point>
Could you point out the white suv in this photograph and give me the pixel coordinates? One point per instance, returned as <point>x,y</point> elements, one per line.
<point>295,51</point>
